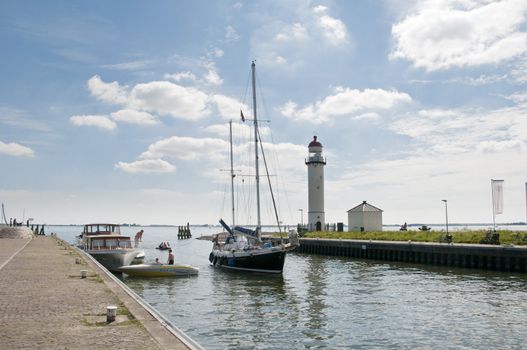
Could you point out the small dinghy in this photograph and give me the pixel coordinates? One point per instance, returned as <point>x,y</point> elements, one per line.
<point>159,270</point>
<point>164,246</point>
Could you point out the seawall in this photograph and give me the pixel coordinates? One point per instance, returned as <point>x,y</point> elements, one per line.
<point>477,256</point>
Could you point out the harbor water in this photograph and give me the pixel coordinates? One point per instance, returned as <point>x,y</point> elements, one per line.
<point>330,302</point>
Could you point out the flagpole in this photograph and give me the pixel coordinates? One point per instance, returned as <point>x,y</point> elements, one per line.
<point>493,209</point>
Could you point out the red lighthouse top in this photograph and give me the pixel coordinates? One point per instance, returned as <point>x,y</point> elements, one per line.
<point>315,143</point>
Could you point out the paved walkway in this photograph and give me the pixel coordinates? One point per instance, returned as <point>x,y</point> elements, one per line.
<point>44,304</point>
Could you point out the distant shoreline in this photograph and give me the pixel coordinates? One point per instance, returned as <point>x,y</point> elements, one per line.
<point>294,225</point>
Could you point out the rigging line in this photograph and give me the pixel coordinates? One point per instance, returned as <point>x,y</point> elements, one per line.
<point>269,182</point>
<point>221,205</point>
<point>244,99</point>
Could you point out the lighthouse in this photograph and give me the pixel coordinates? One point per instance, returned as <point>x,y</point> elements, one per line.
<point>315,175</point>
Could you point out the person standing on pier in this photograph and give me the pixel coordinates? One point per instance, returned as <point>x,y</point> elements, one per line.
<point>170,257</point>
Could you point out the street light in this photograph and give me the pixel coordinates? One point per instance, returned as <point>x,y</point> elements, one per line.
<point>446,215</point>
<point>301,217</point>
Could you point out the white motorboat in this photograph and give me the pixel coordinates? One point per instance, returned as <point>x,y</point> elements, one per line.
<point>105,243</point>
<point>159,270</point>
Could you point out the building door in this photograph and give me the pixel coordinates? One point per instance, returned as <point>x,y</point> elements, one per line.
<point>319,226</point>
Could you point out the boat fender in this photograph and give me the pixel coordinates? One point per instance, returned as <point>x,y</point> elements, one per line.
<point>211,256</point>
<point>214,260</point>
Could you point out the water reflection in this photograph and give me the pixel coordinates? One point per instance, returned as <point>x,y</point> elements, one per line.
<point>315,318</point>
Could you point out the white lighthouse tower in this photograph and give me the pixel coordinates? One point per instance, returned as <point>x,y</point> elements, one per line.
<point>315,174</point>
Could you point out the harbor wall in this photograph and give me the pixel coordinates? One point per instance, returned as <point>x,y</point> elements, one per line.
<point>477,256</point>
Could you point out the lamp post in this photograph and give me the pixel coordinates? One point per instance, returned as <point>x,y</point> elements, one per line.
<point>446,215</point>
<point>301,218</point>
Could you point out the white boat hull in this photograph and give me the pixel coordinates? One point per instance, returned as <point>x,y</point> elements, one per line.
<point>147,270</point>
<point>112,259</point>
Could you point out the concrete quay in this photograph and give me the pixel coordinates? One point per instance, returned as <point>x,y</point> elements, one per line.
<point>478,256</point>
<point>45,304</point>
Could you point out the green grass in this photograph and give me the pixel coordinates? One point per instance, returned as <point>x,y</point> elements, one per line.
<point>466,236</point>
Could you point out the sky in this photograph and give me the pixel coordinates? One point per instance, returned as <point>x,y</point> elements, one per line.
<point>118,111</point>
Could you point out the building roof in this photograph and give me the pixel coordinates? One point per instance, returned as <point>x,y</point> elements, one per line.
<point>364,207</point>
<point>314,143</point>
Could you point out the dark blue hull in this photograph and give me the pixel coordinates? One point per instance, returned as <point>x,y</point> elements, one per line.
<point>266,262</point>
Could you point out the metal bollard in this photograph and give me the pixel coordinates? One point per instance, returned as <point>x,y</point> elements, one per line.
<point>77,261</point>
<point>111,313</point>
<point>84,273</point>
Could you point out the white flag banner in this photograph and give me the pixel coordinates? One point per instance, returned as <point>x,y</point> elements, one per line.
<point>497,196</point>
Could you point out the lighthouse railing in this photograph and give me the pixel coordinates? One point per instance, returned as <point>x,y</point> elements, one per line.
<point>315,159</point>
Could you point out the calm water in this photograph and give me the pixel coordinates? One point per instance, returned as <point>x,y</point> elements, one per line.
<point>328,302</point>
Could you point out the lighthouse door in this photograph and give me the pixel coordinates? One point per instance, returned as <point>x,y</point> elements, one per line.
<point>319,226</point>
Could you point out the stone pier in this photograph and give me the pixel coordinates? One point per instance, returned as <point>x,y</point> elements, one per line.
<point>45,304</point>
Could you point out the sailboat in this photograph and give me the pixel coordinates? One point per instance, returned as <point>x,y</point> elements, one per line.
<point>243,248</point>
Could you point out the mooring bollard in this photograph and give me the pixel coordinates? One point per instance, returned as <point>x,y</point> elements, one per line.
<point>84,273</point>
<point>77,261</point>
<point>111,312</point>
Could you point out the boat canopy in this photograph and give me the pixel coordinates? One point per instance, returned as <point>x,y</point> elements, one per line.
<point>98,229</point>
<point>246,231</point>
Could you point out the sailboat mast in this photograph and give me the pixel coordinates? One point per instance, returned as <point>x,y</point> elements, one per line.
<point>255,118</point>
<point>232,174</point>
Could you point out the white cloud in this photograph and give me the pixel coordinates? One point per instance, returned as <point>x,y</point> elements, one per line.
<point>98,121</point>
<point>132,65</point>
<point>367,116</point>
<point>499,146</point>
<point>478,81</point>
<point>186,148</point>
<point>293,32</point>
<point>212,77</point>
<point>167,98</point>
<point>15,149</point>
<point>146,166</point>
<point>228,107</point>
<point>332,28</point>
<point>134,117</point>
<point>302,35</point>
<point>450,33</point>
<point>107,92</point>
<point>216,52</point>
<point>466,131</point>
<point>346,102</point>
<point>519,72</point>
<point>181,76</point>
<point>231,35</point>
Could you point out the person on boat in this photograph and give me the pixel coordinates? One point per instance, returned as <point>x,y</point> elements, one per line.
<point>170,257</point>
<point>138,237</point>
<point>157,262</point>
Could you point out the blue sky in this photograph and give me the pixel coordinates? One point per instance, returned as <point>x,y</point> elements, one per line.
<point>117,111</point>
